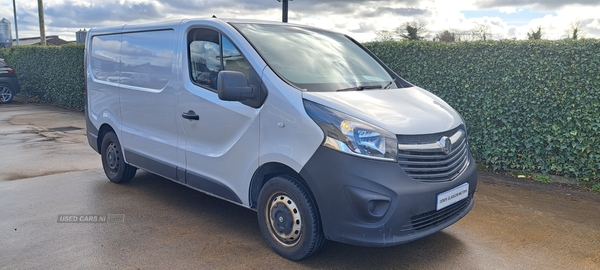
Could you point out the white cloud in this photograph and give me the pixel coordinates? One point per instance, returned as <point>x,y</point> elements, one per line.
<point>594,24</point>
<point>508,10</point>
<point>360,19</point>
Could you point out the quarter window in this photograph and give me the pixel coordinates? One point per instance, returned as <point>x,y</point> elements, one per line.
<point>138,59</point>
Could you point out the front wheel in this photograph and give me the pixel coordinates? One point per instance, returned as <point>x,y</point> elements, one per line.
<point>113,162</point>
<point>6,94</point>
<point>288,218</point>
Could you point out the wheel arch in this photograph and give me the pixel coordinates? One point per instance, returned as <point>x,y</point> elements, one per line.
<point>267,171</point>
<point>105,128</point>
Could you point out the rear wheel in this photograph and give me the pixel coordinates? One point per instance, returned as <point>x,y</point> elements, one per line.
<point>113,162</point>
<point>6,94</point>
<point>288,218</point>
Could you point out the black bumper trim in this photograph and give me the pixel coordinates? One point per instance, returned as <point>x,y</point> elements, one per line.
<point>329,173</point>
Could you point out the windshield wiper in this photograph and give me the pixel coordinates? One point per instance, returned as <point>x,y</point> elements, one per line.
<point>389,84</point>
<point>361,87</point>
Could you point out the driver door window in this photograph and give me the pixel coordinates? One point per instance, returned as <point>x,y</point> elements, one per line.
<point>210,53</point>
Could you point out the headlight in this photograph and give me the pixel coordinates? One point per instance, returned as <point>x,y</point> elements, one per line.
<point>351,135</point>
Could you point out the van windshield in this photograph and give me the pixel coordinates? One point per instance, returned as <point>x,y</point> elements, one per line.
<point>316,60</point>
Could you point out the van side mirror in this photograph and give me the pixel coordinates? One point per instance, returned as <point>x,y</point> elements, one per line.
<point>233,86</point>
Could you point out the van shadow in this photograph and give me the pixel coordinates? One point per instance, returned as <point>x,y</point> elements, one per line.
<point>436,251</point>
<point>149,198</point>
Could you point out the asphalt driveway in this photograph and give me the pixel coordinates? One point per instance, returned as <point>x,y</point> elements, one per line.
<point>50,174</point>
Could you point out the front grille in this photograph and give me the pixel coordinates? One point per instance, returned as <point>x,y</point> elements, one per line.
<point>423,159</point>
<point>434,218</point>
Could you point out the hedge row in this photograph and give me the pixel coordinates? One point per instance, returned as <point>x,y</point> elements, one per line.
<point>52,73</point>
<point>529,106</point>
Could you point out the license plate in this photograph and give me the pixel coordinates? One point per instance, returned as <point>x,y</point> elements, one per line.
<point>452,196</point>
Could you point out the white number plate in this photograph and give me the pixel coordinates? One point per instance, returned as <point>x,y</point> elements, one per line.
<point>451,196</point>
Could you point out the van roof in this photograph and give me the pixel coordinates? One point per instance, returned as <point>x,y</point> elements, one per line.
<point>117,28</point>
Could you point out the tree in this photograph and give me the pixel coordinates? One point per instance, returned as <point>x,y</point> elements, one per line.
<point>535,35</point>
<point>384,35</point>
<point>481,32</point>
<point>445,36</point>
<point>575,31</point>
<point>463,35</point>
<point>412,31</point>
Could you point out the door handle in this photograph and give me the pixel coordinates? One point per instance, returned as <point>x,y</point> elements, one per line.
<point>190,115</point>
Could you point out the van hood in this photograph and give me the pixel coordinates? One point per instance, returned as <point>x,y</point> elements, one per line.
<point>407,111</point>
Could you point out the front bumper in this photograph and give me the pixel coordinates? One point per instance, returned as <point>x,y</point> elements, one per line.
<point>374,203</point>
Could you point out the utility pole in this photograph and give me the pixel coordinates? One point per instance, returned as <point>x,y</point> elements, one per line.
<point>16,27</point>
<point>284,11</point>
<point>42,26</point>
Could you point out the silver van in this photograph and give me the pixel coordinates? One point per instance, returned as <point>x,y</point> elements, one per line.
<point>303,125</point>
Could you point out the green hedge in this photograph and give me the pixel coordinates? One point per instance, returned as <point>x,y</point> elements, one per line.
<point>529,106</point>
<point>52,73</point>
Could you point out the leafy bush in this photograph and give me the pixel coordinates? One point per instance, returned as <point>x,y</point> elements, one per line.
<point>529,106</point>
<point>53,73</point>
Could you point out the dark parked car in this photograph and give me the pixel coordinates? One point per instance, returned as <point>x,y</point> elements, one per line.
<point>9,84</point>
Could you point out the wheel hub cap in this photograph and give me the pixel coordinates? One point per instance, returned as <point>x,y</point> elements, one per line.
<point>111,157</point>
<point>285,219</point>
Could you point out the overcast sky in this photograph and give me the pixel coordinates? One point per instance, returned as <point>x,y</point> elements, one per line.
<point>506,19</point>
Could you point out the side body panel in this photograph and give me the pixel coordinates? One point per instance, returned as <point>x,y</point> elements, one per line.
<point>288,135</point>
<point>9,78</point>
<point>148,98</point>
<point>222,146</point>
<point>103,106</point>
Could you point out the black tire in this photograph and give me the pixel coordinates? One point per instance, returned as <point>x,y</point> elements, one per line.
<point>6,94</point>
<point>113,162</point>
<point>288,218</point>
